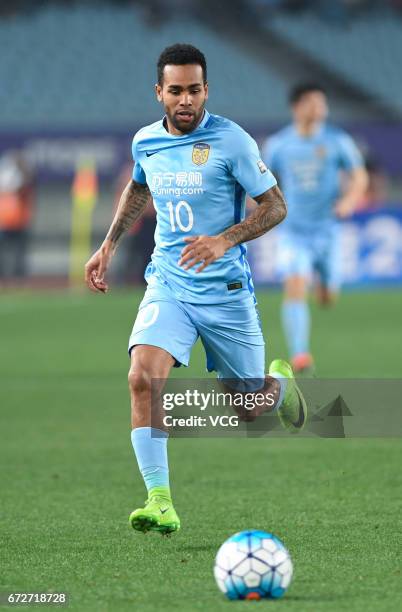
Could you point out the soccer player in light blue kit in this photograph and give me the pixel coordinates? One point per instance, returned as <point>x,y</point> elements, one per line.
<point>321,173</point>
<point>197,168</point>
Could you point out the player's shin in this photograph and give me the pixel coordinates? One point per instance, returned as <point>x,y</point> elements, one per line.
<point>158,514</point>
<point>150,448</point>
<point>296,325</point>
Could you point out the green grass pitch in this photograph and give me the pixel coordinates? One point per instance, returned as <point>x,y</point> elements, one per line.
<point>70,479</point>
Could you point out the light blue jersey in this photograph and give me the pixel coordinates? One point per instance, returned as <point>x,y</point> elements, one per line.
<point>198,182</point>
<point>309,171</point>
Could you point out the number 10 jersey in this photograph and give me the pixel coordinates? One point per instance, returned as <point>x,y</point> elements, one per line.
<point>198,182</point>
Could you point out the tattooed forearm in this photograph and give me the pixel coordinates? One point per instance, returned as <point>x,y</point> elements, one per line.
<point>270,212</point>
<point>132,204</point>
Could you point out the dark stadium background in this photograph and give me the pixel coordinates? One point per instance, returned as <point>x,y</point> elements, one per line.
<point>76,82</point>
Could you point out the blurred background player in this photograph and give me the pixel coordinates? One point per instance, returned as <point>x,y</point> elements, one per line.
<point>323,179</point>
<point>16,208</point>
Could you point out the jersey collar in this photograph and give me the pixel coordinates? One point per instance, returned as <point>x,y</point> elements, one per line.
<point>204,120</point>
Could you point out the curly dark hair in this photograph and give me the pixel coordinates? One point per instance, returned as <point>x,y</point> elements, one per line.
<point>180,55</point>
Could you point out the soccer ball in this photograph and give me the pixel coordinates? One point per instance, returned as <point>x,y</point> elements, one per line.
<point>252,565</point>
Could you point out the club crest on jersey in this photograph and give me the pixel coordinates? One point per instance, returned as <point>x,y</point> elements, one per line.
<point>200,153</point>
<point>321,151</point>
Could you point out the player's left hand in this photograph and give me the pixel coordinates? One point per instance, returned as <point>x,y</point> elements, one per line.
<point>344,208</point>
<point>205,249</point>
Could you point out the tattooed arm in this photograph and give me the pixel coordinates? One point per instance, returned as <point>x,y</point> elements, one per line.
<point>270,212</point>
<point>132,204</point>
<point>206,249</point>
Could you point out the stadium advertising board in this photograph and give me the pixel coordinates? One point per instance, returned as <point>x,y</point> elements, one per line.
<point>371,250</point>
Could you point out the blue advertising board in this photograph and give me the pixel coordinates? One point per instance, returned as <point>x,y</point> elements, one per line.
<point>53,153</point>
<point>371,250</point>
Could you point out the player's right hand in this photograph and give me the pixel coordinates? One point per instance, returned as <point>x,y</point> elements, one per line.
<point>96,267</point>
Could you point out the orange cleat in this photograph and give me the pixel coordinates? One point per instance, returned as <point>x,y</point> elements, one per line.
<point>303,363</point>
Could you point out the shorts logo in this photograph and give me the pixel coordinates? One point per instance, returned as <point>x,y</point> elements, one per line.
<point>262,167</point>
<point>147,316</point>
<point>200,153</point>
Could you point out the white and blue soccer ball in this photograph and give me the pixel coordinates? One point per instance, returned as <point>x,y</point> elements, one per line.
<point>253,565</point>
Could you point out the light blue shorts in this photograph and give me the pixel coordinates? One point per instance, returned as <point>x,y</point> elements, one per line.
<point>230,333</point>
<point>308,254</point>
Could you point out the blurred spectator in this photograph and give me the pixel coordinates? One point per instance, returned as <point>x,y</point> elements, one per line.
<point>16,209</point>
<point>137,245</point>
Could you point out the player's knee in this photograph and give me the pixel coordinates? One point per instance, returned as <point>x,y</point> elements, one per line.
<point>139,381</point>
<point>295,288</point>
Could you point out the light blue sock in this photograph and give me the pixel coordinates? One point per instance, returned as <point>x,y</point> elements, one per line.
<point>150,448</point>
<point>296,323</point>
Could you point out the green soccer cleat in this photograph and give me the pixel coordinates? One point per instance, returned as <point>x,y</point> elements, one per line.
<point>293,410</point>
<point>158,514</point>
